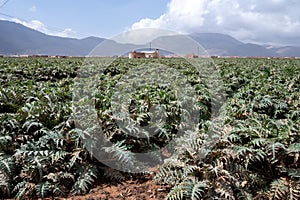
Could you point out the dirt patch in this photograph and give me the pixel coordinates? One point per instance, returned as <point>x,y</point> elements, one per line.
<point>138,188</point>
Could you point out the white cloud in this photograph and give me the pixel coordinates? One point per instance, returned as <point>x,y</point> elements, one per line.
<point>68,32</point>
<point>33,9</point>
<point>141,36</point>
<point>41,27</point>
<point>34,24</point>
<point>268,21</point>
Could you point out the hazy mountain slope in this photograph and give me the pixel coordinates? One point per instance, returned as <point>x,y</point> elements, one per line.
<point>18,39</point>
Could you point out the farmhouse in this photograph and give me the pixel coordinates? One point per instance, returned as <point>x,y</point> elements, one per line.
<point>144,54</point>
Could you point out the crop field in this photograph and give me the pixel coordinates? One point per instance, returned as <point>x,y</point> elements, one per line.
<point>242,142</point>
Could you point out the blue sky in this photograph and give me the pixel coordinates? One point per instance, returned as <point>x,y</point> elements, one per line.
<point>104,18</point>
<point>274,22</point>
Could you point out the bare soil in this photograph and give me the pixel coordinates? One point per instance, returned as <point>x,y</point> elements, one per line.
<point>139,188</point>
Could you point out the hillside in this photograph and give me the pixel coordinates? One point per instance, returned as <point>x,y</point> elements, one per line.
<point>18,39</point>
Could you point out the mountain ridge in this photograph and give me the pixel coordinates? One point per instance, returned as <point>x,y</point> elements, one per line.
<point>16,39</point>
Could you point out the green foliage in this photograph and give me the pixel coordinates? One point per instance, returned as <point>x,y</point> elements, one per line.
<point>257,155</point>
<point>254,138</point>
<point>87,176</point>
<point>6,175</point>
<point>284,189</point>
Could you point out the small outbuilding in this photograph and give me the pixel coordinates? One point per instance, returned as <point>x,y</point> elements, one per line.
<point>144,54</point>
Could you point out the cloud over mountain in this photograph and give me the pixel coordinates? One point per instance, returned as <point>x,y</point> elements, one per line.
<point>41,27</point>
<point>268,21</point>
